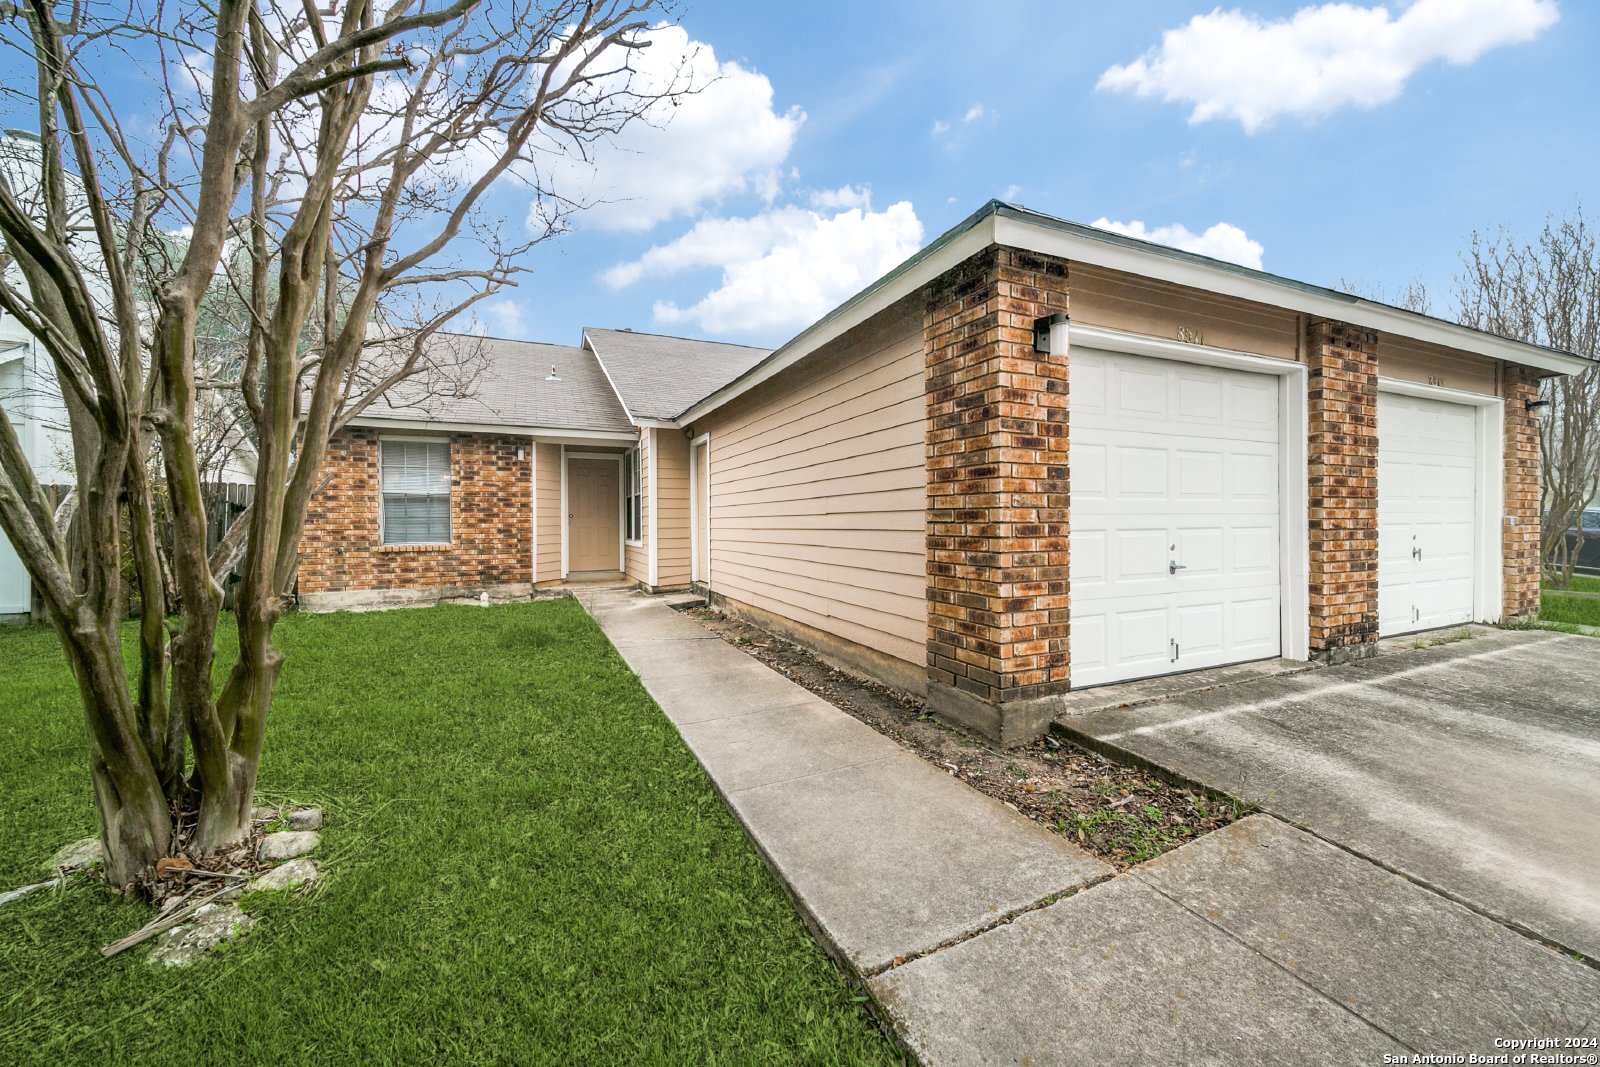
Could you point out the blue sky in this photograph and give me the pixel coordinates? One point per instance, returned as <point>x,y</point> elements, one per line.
<point>1324,142</point>
<point>1378,192</point>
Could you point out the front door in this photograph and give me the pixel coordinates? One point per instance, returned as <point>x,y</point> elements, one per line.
<point>594,515</point>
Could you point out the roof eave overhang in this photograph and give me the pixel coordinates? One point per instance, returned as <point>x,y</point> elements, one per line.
<point>1070,242</point>
<point>552,434</point>
<point>1001,224</point>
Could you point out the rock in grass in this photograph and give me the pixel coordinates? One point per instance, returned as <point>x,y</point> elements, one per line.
<point>287,844</point>
<point>78,855</point>
<point>212,924</point>
<point>305,819</point>
<point>296,872</point>
<point>27,891</point>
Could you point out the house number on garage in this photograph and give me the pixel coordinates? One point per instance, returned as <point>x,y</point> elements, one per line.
<point>1435,379</point>
<point>1191,336</point>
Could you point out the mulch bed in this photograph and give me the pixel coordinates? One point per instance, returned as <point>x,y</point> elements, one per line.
<point>1124,815</point>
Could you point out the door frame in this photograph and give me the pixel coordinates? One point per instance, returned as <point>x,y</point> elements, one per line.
<point>1488,581</point>
<point>566,513</point>
<point>699,525</point>
<point>1294,503</point>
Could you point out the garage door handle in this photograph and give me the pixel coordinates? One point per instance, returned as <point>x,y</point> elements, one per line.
<point>1416,553</point>
<point>1173,567</point>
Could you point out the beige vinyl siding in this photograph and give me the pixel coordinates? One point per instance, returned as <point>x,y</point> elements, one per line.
<point>1429,364</point>
<point>636,557</point>
<point>672,508</point>
<point>547,513</point>
<point>818,491</point>
<point>1116,301</point>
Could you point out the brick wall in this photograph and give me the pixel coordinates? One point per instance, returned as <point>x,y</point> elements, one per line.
<point>490,521</point>
<point>1521,494</point>
<point>998,609</point>
<point>1343,408</point>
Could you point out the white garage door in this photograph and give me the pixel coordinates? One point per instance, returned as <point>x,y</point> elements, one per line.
<point>1427,512</point>
<point>1175,517</point>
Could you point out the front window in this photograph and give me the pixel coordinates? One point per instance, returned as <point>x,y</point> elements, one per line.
<point>415,477</point>
<point>631,511</point>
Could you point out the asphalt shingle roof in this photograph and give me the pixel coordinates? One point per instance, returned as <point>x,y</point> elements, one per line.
<point>511,388</point>
<point>662,377</point>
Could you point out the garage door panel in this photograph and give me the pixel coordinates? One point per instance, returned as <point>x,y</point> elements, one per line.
<point>1427,513</point>
<point>1199,475</point>
<point>1138,556</point>
<point>1141,473</point>
<point>1087,565</point>
<point>1255,553</point>
<point>1088,473</point>
<point>1190,457</point>
<point>1201,549</point>
<point>1255,479</point>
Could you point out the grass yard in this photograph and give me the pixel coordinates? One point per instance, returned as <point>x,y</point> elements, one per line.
<point>1581,583</point>
<point>1578,610</point>
<point>524,865</point>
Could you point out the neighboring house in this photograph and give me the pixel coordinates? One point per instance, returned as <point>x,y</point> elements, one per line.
<point>31,396</point>
<point>1244,467</point>
<point>28,391</point>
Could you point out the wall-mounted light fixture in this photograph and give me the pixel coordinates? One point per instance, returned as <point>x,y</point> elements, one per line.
<point>1041,330</point>
<point>552,376</point>
<point>1540,408</point>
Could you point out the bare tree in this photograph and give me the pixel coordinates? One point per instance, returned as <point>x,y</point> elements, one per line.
<point>331,165</point>
<point>1547,292</point>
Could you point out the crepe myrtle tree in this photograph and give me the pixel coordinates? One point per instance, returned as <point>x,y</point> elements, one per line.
<point>330,164</point>
<point>1547,291</point>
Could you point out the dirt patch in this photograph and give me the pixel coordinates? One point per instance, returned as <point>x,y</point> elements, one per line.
<point>1124,815</point>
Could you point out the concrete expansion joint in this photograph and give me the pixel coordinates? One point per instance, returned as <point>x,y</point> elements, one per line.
<point>1005,919</point>
<point>1442,891</point>
<point>1281,968</point>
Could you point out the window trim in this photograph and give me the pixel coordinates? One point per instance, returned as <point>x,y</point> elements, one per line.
<point>449,494</point>
<point>633,497</point>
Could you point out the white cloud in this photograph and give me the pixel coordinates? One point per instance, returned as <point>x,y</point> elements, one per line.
<point>971,115</point>
<point>723,139</point>
<point>1236,65</point>
<point>500,318</point>
<point>1222,241</point>
<point>846,196</point>
<point>781,269</point>
<point>1011,192</point>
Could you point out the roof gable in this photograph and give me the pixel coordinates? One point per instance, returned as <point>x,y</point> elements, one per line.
<point>660,377</point>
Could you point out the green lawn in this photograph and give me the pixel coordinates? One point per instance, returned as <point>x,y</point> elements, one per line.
<point>1581,610</point>
<point>525,865</point>
<point>1580,584</point>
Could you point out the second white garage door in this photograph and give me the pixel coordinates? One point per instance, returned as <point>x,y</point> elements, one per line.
<point>1175,517</point>
<point>1427,513</point>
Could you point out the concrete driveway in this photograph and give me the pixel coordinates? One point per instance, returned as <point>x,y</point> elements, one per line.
<point>1472,767</point>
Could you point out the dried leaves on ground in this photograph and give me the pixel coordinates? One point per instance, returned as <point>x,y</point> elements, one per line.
<point>1124,815</point>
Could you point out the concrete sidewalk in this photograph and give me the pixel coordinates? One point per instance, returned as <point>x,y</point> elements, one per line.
<point>982,937</point>
<point>887,857</point>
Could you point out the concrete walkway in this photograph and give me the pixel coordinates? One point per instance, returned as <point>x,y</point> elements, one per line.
<point>982,937</point>
<point>886,857</point>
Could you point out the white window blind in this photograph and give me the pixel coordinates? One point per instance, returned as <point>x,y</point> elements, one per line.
<point>415,476</point>
<point>633,526</point>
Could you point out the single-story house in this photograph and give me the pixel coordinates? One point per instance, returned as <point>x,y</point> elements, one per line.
<point>1036,456</point>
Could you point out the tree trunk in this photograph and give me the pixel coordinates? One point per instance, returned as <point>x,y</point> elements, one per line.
<point>135,821</point>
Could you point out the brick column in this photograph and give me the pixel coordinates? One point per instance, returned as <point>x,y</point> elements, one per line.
<point>997,495</point>
<point>1342,366</point>
<point>1521,521</point>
